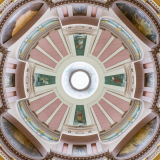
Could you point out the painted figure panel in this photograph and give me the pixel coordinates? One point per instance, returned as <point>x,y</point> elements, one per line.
<point>42,79</point>
<point>79,149</point>
<point>19,140</point>
<point>140,139</point>
<point>79,10</point>
<point>149,79</point>
<point>140,21</point>
<point>80,43</point>
<point>9,80</point>
<point>79,118</point>
<point>19,20</point>
<point>116,80</point>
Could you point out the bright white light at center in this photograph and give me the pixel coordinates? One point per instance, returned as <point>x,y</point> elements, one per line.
<point>80,80</point>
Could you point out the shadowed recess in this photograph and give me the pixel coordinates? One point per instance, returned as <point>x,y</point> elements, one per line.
<point>19,140</point>
<point>139,20</point>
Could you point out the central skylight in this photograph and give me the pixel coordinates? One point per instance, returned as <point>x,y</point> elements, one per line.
<point>80,80</point>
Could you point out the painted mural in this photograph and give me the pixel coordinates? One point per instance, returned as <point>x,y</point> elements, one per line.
<point>116,80</point>
<point>79,118</point>
<point>157,2</point>
<point>79,10</point>
<point>9,80</point>
<point>140,139</point>
<point>42,80</point>
<point>1,1</point>
<point>80,43</point>
<point>149,80</point>
<point>18,139</point>
<point>79,149</point>
<point>140,21</point>
<point>19,20</point>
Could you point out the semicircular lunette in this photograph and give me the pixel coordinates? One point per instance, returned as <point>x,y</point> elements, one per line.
<point>19,140</point>
<point>139,140</point>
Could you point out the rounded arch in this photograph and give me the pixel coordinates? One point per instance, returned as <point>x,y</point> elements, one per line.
<point>132,133</point>
<point>133,27</point>
<point>13,29</point>
<point>24,132</point>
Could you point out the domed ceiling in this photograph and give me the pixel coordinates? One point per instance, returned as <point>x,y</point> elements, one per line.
<point>79,80</point>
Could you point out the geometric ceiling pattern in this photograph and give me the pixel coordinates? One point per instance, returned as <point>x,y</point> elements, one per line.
<point>79,81</point>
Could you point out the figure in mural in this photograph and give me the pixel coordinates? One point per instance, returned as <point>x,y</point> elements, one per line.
<point>140,139</point>
<point>42,80</point>
<point>139,20</point>
<point>79,150</point>
<point>19,20</point>
<point>80,10</point>
<point>79,118</point>
<point>115,79</point>
<point>19,140</point>
<point>9,80</point>
<point>80,43</point>
<point>149,79</point>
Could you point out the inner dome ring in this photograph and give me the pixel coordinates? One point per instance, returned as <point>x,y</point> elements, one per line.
<point>80,70</point>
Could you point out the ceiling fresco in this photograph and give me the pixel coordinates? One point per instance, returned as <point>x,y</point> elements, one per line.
<point>19,20</point>
<point>117,80</point>
<point>140,139</point>
<point>139,20</point>
<point>19,140</point>
<point>79,10</point>
<point>80,43</point>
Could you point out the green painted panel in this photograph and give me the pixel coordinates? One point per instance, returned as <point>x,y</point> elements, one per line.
<point>19,140</point>
<point>80,43</point>
<point>79,118</point>
<point>116,80</point>
<point>42,80</point>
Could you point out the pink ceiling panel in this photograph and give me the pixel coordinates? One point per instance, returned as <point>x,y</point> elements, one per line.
<point>37,55</point>
<point>56,120</point>
<point>103,39</point>
<point>103,121</point>
<point>55,37</point>
<point>65,11</point>
<point>39,103</point>
<point>123,105</point>
<point>94,11</point>
<point>115,45</point>
<point>11,65</point>
<point>45,114</point>
<point>121,56</point>
<point>148,94</point>
<point>148,65</point>
<point>114,114</point>
<point>47,47</point>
